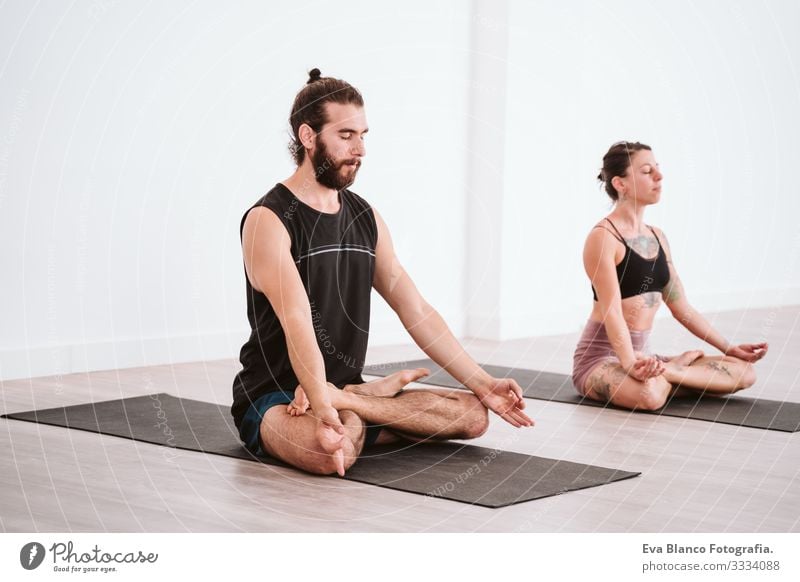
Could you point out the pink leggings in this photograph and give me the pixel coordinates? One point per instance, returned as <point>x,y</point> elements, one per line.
<point>594,348</point>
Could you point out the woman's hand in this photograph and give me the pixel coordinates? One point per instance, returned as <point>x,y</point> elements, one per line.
<point>748,352</point>
<point>644,368</point>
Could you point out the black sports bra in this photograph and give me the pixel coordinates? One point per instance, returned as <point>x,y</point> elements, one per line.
<point>637,275</point>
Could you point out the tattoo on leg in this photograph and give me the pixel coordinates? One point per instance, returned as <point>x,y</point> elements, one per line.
<point>719,367</point>
<point>599,382</point>
<point>602,389</point>
<point>617,374</point>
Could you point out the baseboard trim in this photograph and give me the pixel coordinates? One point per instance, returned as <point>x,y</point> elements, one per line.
<point>56,360</point>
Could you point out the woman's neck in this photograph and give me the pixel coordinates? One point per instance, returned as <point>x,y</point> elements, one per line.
<point>630,215</point>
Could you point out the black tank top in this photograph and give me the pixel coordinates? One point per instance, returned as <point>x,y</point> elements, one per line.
<point>637,275</point>
<point>335,256</point>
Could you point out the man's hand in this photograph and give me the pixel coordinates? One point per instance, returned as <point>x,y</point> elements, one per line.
<point>504,398</point>
<point>330,434</point>
<point>748,352</point>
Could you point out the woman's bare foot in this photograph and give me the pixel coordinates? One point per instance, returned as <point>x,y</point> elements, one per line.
<point>674,366</point>
<point>389,386</point>
<point>685,359</point>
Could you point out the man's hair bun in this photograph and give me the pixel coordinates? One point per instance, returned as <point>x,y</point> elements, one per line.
<point>314,75</point>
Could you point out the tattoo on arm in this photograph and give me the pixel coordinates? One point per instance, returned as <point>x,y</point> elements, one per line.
<point>674,290</point>
<point>671,293</point>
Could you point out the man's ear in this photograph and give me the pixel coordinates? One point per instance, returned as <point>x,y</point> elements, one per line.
<point>307,136</point>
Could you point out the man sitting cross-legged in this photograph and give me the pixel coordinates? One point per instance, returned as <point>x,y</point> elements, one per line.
<point>313,250</point>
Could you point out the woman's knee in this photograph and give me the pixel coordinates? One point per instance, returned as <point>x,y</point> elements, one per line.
<point>744,373</point>
<point>653,394</point>
<point>747,377</point>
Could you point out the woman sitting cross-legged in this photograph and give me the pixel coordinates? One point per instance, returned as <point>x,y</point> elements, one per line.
<point>630,266</point>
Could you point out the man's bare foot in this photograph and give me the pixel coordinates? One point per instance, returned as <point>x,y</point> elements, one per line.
<point>390,385</point>
<point>300,404</point>
<point>382,388</point>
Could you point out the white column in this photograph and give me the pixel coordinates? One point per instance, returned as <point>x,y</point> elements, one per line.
<point>485,169</point>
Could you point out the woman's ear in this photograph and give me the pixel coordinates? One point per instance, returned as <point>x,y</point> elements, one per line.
<point>618,184</point>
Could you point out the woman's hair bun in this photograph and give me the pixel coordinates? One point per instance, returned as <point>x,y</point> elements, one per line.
<point>314,75</point>
<point>600,176</point>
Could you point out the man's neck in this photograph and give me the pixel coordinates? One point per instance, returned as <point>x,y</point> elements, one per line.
<point>303,184</point>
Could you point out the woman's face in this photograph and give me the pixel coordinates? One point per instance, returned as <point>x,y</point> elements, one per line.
<point>642,182</point>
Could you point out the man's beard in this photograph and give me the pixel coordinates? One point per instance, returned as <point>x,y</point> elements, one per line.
<point>337,175</point>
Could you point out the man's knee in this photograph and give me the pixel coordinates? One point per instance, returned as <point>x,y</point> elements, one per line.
<point>323,463</point>
<point>354,427</point>
<point>327,464</point>
<point>475,417</point>
<point>478,425</point>
<point>299,448</point>
<point>353,442</point>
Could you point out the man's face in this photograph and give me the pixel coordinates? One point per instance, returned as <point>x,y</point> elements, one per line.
<point>339,146</point>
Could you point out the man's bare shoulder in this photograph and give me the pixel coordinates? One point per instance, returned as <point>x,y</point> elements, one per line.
<point>261,224</point>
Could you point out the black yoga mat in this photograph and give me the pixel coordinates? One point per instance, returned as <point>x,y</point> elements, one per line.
<point>476,475</point>
<point>737,410</point>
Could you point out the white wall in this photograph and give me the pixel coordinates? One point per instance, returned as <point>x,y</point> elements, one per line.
<point>712,87</point>
<point>133,137</point>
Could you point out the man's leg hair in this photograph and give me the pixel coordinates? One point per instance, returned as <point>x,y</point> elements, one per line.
<point>419,413</point>
<point>293,440</point>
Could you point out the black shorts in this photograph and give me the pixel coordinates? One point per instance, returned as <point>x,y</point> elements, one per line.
<point>250,427</point>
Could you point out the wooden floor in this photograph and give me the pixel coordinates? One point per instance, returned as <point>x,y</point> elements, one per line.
<point>696,476</point>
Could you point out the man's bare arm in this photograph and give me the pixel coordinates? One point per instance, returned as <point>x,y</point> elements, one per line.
<point>271,270</point>
<point>430,332</point>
